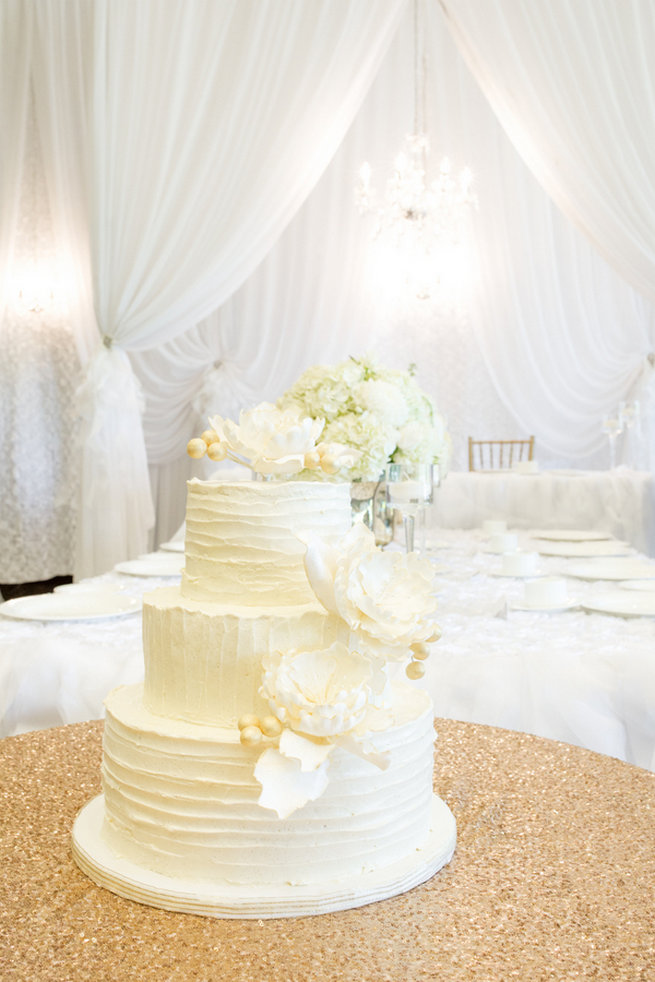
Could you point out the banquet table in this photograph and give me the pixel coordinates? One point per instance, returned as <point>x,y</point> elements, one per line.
<point>582,677</point>
<point>620,501</point>
<point>553,877</point>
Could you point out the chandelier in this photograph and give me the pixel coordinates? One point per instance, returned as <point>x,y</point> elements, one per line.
<point>425,217</point>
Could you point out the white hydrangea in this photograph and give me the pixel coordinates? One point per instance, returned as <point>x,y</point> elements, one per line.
<point>382,413</point>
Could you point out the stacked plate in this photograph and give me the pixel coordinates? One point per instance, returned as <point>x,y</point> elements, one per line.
<point>83,602</point>
<point>622,603</point>
<point>153,564</point>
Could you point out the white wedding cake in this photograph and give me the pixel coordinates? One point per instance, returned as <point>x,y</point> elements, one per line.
<point>269,765</point>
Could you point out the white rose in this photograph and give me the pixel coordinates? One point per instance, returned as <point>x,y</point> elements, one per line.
<point>386,598</point>
<point>320,693</point>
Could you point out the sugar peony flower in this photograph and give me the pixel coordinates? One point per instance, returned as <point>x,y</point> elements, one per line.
<point>321,693</point>
<point>272,440</point>
<point>386,598</point>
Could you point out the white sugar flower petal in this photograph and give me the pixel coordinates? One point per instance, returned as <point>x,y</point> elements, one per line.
<point>285,787</point>
<point>310,754</point>
<point>320,562</point>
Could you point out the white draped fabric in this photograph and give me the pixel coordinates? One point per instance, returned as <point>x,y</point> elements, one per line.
<point>562,335</point>
<point>165,200</point>
<point>16,46</point>
<point>573,84</point>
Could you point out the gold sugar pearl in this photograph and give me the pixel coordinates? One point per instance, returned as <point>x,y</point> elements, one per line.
<point>436,634</point>
<point>420,651</point>
<point>196,448</point>
<point>312,460</point>
<point>251,736</point>
<point>209,436</point>
<point>248,720</point>
<point>216,451</point>
<point>271,726</point>
<point>415,670</point>
<point>328,466</point>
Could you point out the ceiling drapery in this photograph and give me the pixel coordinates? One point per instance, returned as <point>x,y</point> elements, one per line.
<point>563,336</point>
<point>573,84</point>
<point>164,198</point>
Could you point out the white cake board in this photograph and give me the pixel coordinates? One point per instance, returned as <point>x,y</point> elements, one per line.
<point>212,899</point>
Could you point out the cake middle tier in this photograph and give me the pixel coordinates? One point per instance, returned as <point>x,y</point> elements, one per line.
<point>203,661</point>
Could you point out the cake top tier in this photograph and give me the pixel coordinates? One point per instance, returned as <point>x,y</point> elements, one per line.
<point>244,541</point>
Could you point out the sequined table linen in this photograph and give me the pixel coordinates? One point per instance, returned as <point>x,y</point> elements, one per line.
<point>553,878</point>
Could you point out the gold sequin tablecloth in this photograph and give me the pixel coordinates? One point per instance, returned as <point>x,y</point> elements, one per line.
<point>553,878</point>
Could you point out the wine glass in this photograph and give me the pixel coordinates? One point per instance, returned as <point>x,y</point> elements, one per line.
<point>613,427</point>
<point>628,412</point>
<point>409,489</point>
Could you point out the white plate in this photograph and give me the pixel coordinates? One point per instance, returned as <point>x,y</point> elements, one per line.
<point>622,603</point>
<point>156,564</point>
<point>515,576</point>
<point>176,546</point>
<point>619,568</point>
<point>569,535</point>
<point>575,550</point>
<point>84,606</point>
<point>546,608</point>
<point>644,585</point>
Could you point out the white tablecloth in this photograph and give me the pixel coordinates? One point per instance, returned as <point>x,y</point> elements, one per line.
<point>586,679</point>
<point>620,501</point>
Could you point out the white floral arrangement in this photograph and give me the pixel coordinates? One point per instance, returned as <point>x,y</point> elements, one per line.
<point>381,413</point>
<point>272,441</point>
<point>338,696</point>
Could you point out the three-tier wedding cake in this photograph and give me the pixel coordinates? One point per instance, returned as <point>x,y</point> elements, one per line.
<point>270,765</point>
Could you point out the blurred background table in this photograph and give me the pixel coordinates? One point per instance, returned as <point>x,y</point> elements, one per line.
<point>553,876</point>
<point>620,501</point>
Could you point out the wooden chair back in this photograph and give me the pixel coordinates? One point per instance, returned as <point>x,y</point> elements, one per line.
<point>494,455</point>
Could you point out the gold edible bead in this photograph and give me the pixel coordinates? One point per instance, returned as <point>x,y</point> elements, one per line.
<point>312,460</point>
<point>196,447</point>
<point>271,726</point>
<point>436,634</point>
<point>209,436</point>
<point>328,465</point>
<point>216,451</point>
<point>251,736</point>
<point>415,670</point>
<point>420,651</point>
<point>248,720</point>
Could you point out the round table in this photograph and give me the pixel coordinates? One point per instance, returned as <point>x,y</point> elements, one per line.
<point>553,878</point>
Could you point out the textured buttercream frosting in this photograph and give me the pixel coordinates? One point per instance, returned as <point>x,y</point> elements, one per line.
<point>244,542</point>
<point>181,799</point>
<point>203,661</point>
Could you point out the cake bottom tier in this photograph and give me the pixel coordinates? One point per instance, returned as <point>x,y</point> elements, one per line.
<point>179,825</point>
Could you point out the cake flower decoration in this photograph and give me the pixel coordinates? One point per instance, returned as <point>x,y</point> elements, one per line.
<point>271,441</point>
<point>323,699</point>
<point>385,598</point>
